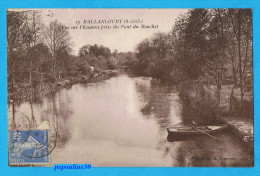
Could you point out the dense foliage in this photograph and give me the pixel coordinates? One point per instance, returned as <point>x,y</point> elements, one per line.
<point>42,53</point>
<point>210,45</point>
<point>213,46</point>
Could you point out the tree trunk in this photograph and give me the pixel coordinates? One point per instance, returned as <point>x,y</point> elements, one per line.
<point>233,66</point>
<point>220,75</point>
<point>241,81</point>
<point>13,76</point>
<point>14,123</point>
<point>54,66</point>
<point>219,85</point>
<point>30,76</point>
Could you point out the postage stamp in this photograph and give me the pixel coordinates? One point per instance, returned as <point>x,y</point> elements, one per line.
<point>28,147</point>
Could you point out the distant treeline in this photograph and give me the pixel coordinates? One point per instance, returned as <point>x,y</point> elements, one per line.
<point>213,46</point>
<point>38,52</point>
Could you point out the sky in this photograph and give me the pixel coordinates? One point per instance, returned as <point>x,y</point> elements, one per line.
<point>121,39</point>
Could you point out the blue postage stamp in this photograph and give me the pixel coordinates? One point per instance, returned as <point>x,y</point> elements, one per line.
<point>29,147</point>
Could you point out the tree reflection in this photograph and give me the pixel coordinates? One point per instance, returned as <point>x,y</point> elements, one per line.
<point>56,108</point>
<point>59,110</point>
<point>157,100</point>
<point>33,123</point>
<point>162,103</point>
<point>13,115</point>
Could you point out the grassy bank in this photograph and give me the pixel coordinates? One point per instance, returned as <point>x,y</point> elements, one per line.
<point>239,115</point>
<point>203,99</point>
<point>24,92</point>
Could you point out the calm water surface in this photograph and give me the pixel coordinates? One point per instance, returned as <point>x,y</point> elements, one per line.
<point>122,121</point>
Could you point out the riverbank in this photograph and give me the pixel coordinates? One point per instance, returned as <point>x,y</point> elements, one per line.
<point>202,98</point>
<point>26,93</point>
<point>103,115</point>
<point>244,129</point>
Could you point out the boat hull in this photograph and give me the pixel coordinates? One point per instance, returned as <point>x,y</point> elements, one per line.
<point>215,129</point>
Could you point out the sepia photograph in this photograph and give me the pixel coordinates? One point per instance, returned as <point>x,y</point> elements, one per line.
<point>130,87</point>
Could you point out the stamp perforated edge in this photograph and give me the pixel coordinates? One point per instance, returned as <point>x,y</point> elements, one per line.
<point>28,164</point>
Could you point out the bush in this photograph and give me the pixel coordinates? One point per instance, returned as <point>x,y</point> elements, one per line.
<point>50,78</point>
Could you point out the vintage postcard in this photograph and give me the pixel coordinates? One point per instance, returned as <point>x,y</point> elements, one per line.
<point>130,87</point>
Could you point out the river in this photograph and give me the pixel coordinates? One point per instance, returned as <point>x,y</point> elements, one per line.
<point>122,121</point>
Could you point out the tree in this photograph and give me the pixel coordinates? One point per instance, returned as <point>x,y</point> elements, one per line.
<point>112,62</point>
<point>84,50</point>
<point>144,54</point>
<point>31,36</point>
<point>154,56</point>
<point>115,53</point>
<point>42,62</point>
<point>215,45</point>
<point>15,47</point>
<point>241,20</point>
<point>63,61</point>
<point>216,58</point>
<point>57,38</point>
<point>189,37</point>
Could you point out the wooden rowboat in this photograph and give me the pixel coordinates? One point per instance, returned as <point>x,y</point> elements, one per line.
<point>198,130</point>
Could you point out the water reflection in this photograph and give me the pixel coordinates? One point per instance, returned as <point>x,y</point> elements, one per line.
<point>122,122</point>
<point>162,103</point>
<point>55,108</point>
